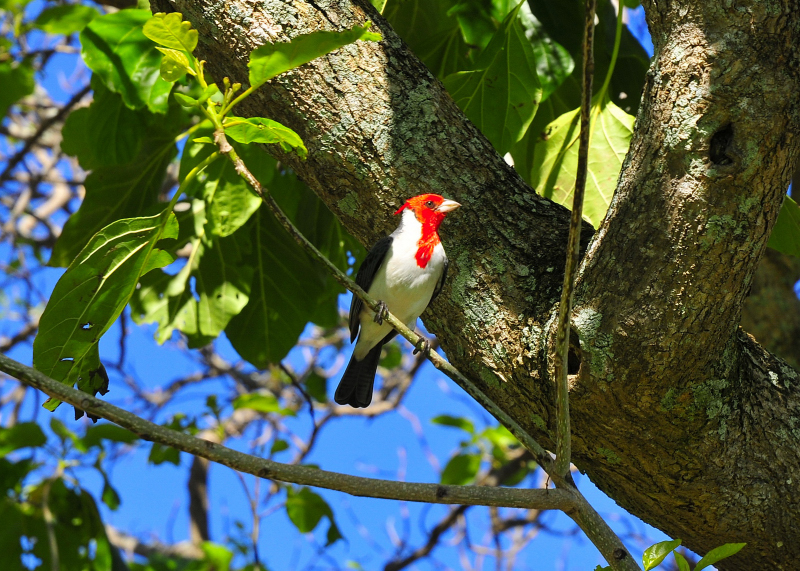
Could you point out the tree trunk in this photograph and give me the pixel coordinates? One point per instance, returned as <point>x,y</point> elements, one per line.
<point>677,414</point>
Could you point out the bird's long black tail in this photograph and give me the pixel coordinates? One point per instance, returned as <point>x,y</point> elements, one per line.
<point>355,388</point>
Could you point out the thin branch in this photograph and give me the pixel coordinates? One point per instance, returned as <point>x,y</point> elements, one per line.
<point>542,457</point>
<point>563,440</point>
<point>561,499</point>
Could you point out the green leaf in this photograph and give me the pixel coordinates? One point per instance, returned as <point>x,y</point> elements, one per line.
<point>17,81</point>
<point>186,101</point>
<point>65,19</point>
<point>174,64</point>
<point>556,158</point>
<point>105,133</point>
<point>160,454</point>
<point>461,469</point>
<point>273,59</point>
<point>305,510</point>
<point>500,436</point>
<point>681,562</point>
<point>128,190</point>
<point>655,554</point>
<point>115,48</point>
<point>379,5</point>
<point>718,554</point>
<point>454,421</point>
<point>317,387</point>
<point>478,19</point>
<point>553,62</point>
<point>261,130</point>
<point>261,402</point>
<point>501,98</point>
<point>222,283</point>
<point>22,435</point>
<point>169,30</point>
<point>433,35</point>
<point>12,475</point>
<point>285,294</point>
<point>110,496</point>
<point>93,291</point>
<point>279,446</point>
<point>218,556</point>
<point>785,235</point>
<point>392,356</point>
<point>95,435</point>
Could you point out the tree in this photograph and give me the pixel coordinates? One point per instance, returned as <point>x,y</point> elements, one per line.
<point>677,414</point>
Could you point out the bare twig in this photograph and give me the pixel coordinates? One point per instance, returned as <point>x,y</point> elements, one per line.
<point>561,499</point>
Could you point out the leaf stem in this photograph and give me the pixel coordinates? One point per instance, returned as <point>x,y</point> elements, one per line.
<point>614,53</point>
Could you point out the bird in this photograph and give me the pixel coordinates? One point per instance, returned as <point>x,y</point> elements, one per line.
<point>405,271</point>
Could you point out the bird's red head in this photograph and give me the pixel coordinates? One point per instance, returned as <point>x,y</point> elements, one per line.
<point>430,209</point>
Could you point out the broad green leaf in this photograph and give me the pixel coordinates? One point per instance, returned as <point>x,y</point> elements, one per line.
<point>185,100</point>
<point>392,356</point>
<point>91,377</point>
<point>502,96</point>
<point>22,435</point>
<point>655,554</point>
<point>454,421</point>
<point>17,81</point>
<point>105,133</point>
<point>261,130</point>
<point>286,292</point>
<point>500,436</point>
<point>95,435</point>
<point>222,282</point>
<point>305,510</point>
<point>115,48</point>
<point>563,21</point>
<point>93,291</point>
<point>230,202</point>
<point>261,402</point>
<point>556,158</point>
<point>553,62</point>
<point>278,446</point>
<point>785,235</point>
<point>681,562</point>
<point>12,475</point>
<point>65,19</point>
<point>129,190</point>
<point>461,469</point>
<point>433,34</point>
<point>718,554</point>
<point>478,19</point>
<point>174,64</point>
<point>273,59</point>
<point>169,30</point>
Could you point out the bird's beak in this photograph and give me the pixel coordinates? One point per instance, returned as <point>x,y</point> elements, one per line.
<point>448,205</point>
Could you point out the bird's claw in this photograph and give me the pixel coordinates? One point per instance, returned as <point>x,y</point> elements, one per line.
<point>423,346</point>
<point>382,313</point>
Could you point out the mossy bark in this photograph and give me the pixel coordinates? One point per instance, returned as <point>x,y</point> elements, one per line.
<point>677,414</point>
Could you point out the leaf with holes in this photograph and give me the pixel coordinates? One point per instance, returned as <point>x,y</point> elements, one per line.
<point>556,158</point>
<point>93,291</point>
<point>273,59</point>
<point>785,235</point>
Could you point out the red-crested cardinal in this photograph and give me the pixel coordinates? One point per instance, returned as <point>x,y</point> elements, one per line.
<point>404,271</point>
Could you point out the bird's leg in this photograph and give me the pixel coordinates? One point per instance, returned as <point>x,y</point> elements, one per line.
<point>382,313</point>
<point>423,346</point>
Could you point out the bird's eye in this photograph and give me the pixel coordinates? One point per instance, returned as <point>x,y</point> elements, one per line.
<point>429,204</point>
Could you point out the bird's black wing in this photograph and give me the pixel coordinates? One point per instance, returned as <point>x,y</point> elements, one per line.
<point>440,284</point>
<point>366,273</point>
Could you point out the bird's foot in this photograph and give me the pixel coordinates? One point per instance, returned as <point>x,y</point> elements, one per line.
<point>423,346</point>
<point>383,312</point>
